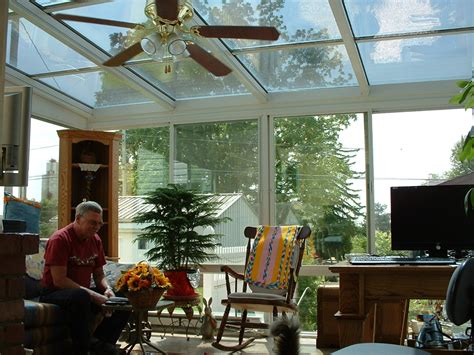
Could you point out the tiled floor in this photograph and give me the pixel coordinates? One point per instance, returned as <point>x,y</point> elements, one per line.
<point>177,344</point>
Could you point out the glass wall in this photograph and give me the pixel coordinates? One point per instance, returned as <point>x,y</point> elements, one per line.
<point>414,148</point>
<point>144,166</point>
<point>320,180</point>
<point>222,159</point>
<point>42,174</point>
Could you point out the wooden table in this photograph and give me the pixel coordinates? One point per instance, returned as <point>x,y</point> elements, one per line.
<point>140,316</point>
<point>373,299</point>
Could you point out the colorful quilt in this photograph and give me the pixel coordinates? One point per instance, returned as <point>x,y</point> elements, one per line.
<point>272,256</point>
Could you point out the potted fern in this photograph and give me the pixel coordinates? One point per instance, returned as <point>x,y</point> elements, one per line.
<point>179,234</point>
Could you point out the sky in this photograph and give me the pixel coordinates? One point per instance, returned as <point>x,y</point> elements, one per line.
<point>408,147</point>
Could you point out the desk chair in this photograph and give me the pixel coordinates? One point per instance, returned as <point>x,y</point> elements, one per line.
<point>272,264</point>
<point>459,296</point>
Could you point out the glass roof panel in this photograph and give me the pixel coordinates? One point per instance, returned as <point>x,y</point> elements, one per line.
<point>296,20</point>
<point>96,89</point>
<point>301,68</point>
<point>34,51</point>
<point>382,17</point>
<point>418,59</point>
<point>112,39</point>
<point>189,80</point>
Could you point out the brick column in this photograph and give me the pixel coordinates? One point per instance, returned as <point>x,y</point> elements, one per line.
<point>13,248</point>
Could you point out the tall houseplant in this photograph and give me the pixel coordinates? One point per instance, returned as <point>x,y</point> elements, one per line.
<point>176,231</point>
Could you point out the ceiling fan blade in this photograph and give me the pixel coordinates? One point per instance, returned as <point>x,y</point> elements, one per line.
<point>244,32</point>
<point>167,9</point>
<point>98,21</point>
<point>124,55</point>
<point>207,60</point>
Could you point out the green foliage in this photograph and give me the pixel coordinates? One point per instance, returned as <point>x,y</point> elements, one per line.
<point>228,151</point>
<point>465,96</point>
<point>308,303</point>
<point>382,218</point>
<point>383,244</point>
<point>48,222</point>
<point>175,216</point>
<point>313,173</point>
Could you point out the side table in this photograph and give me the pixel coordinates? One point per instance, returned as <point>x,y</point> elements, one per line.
<point>140,315</point>
<point>186,303</point>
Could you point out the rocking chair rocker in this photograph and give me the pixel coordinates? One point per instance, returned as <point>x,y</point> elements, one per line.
<point>272,264</point>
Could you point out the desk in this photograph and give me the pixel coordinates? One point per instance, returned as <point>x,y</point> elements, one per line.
<point>140,316</point>
<point>373,299</point>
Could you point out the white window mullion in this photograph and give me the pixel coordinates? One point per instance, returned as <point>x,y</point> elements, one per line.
<point>172,153</point>
<point>264,169</point>
<point>369,178</point>
<point>271,170</point>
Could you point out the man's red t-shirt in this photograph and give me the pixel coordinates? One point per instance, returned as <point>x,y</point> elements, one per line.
<point>80,257</point>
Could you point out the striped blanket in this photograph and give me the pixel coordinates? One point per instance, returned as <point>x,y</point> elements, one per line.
<point>271,257</point>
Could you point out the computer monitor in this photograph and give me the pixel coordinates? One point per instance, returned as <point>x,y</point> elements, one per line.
<point>431,219</point>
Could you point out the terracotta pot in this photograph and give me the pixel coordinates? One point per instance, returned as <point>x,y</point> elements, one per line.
<point>180,285</point>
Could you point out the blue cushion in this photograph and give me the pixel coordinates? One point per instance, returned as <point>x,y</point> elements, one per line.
<point>41,314</point>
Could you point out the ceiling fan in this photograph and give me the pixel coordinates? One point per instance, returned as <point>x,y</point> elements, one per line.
<point>168,38</point>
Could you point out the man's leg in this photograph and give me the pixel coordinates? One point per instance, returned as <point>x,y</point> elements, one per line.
<point>110,328</point>
<point>77,304</point>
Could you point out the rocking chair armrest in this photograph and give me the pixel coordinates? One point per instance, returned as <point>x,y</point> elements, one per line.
<point>231,272</point>
<point>228,271</point>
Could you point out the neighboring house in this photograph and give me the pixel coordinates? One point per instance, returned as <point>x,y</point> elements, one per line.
<point>232,205</point>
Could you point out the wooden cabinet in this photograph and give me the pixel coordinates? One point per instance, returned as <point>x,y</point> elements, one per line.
<point>88,170</point>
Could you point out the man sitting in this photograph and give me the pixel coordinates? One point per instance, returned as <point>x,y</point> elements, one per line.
<point>72,255</point>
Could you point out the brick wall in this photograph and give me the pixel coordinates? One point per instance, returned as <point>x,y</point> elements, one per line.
<point>13,248</point>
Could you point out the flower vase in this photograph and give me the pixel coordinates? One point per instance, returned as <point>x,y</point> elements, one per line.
<point>147,298</point>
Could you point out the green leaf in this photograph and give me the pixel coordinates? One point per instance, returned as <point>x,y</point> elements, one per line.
<point>465,92</point>
<point>462,83</point>
<point>469,103</point>
<point>456,99</point>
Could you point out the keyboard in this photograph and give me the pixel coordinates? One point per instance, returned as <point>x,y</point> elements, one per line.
<point>402,260</point>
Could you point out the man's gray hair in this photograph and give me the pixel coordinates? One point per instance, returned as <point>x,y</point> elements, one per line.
<point>88,206</point>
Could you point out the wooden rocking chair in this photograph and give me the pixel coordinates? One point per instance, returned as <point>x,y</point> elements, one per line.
<point>270,250</point>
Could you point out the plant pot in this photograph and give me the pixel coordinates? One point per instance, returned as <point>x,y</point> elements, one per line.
<point>145,298</point>
<point>180,285</point>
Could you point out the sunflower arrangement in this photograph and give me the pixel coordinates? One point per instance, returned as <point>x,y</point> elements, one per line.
<point>142,277</point>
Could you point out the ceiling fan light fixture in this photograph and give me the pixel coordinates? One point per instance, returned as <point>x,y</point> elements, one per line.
<point>148,46</point>
<point>177,48</point>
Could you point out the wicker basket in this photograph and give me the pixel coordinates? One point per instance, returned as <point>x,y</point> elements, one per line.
<point>145,298</point>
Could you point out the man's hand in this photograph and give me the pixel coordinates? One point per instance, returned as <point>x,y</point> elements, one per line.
<point>97,298</point>
<point>109,292</point>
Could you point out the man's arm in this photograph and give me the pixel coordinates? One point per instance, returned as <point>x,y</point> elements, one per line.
<point>60,280</point>
<point>101,282</point>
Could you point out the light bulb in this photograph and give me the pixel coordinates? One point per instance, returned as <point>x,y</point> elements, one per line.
<point>177,47</point>
<point>148,46</point>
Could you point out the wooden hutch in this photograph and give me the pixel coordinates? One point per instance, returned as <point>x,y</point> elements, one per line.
<point>88,170</point>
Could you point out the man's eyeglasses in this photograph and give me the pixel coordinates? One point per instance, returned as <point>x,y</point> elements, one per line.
<point>93,223</point>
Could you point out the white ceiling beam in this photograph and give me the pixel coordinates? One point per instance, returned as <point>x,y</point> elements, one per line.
<point>51,105</point>
<point>73,5</point>
<point>61,32</point>
<point>383,98</point>
<point>238,70</point>
<point>337,7</point>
